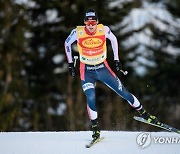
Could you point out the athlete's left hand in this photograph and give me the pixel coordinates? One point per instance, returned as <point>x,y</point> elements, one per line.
<point>117,65</point>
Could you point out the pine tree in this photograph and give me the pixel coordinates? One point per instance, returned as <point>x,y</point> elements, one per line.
<point>13,45</point>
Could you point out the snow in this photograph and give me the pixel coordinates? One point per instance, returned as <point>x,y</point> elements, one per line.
<point>118,142</point>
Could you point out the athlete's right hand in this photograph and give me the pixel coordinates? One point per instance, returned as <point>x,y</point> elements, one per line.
<point>72,70</point>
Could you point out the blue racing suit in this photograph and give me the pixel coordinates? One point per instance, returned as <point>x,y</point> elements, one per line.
<point>103,73</point>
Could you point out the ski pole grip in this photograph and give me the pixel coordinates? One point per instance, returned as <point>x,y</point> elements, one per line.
<point>124,72</point>
<point>75,59</point>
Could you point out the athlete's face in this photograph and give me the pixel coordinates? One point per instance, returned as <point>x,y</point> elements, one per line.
<point>91,25</point>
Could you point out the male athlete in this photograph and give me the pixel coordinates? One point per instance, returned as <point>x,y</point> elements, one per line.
<point>91,43</point>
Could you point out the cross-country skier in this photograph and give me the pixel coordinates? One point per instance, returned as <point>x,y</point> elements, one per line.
<point>91,43</point>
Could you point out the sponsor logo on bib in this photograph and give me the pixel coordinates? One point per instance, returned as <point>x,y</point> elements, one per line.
<point>89,43</point>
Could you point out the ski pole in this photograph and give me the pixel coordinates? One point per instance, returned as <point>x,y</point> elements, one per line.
<point>75,59</point>
<point>124,72</point>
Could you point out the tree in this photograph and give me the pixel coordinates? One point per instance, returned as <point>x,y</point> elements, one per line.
<point>13,45</point>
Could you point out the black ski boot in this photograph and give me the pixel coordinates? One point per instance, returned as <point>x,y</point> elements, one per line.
<point>95,129</point>
<point>144,114</point>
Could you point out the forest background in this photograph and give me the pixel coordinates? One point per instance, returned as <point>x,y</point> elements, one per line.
<point>38,94</point>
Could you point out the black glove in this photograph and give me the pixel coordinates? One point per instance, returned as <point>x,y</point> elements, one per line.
<point>72,70</point>
<point>117,65</point>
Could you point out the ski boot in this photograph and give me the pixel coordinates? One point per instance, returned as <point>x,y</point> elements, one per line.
<point>144,114</point>
<point>95,129</point>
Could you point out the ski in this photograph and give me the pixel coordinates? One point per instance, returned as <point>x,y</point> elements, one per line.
<point>93,142</point>
<point>159,124</point>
